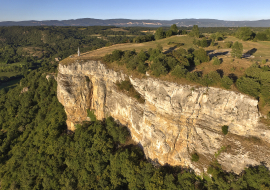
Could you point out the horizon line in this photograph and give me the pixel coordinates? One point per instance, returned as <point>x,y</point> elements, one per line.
<point>141,19</point>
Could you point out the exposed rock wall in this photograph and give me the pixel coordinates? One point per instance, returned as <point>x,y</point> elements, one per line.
<point>175,120</point>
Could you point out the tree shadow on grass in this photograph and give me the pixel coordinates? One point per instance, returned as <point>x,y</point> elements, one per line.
<point>218,53</point>
<point>252,51</point>
<point>220,72</point>
<point>233,77</point>
<point>170,49</point>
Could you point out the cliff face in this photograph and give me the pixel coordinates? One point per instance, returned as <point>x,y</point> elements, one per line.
<point>174,122</point>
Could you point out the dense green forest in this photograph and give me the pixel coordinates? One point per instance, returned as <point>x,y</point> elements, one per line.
<point>46,42</point>
<point>37,151</point>
<point>27,48</point>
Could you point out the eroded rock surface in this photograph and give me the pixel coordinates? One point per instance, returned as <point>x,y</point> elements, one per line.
<point>175,120</point>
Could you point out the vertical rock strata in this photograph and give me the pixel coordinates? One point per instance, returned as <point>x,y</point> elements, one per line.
<point>174,122</point>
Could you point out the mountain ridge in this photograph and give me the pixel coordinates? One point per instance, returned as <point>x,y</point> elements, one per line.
<point>143,22</point>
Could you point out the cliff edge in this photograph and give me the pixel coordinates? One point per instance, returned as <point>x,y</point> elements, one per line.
<point>175,121</point>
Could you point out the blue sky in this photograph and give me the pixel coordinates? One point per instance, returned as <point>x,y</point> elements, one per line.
<point>18,10</point>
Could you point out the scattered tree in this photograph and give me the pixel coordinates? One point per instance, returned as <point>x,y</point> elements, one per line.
<point>216,61</point>
<point>226,82</point>
<point>201,55</point>
<point>159,34</point>
<point>195,31</point>
<point>244,33</point>
<point>237,49</point>
<point>174,29</point>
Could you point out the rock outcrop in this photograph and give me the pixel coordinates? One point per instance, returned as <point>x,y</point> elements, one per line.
<point>174,122</point>
<point>25,89</point>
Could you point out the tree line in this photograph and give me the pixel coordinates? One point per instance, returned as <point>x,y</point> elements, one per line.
<point>177,64</point>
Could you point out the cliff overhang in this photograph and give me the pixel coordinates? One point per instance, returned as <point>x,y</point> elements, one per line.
<point>174,122</point>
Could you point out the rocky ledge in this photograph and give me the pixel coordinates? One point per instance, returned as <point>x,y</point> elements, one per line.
<point>175,121</point>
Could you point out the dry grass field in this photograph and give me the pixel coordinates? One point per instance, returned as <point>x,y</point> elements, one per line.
<point>261,50</point>
<point>99,53</point>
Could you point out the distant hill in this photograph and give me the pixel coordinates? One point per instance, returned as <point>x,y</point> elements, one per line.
<point>129,22</point>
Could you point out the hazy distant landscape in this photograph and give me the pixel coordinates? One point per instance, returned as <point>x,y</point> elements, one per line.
<point>130,22</point>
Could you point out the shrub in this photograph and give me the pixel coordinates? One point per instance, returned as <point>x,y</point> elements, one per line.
<point>142,56</point>
<point>197,61</point>
<point>158,69</point>
<point>91,115</point>
<point>229,44</point>
<point>248,86</point>
<point>169,33</point>
<point>195,157</point>
<point>159,47</point>
<point>225,129</point>
<point>254,72</point>
<point>128,88</point>
<point>172,62</point>
<point>265,92</point>
<point>216,61</point>
<point>214,76</point>
<point>201,54</point>
<point>124,85</point>
<point>142,68</point>
<point>261,36</point>
<point>153,53</point>
<point>160,65</point>
<point>211,78</point>
<point>237,49</point>
<point>127,55</point>
<point>204,43</point>
<point>179,71</point>
<point>244,33</point>
<point>179,52</point>
<point>210,169</point>
<point>116,55</point>
<point>87,79</point>
<point>183,61</point>
<point>217,36</point>
<point>190,50</point>
<point>132,64</point>
<point>159,33</point>
<point>194,77</point>
<point>226,82</point>
<point>107,58</point>
<point>264,61</point>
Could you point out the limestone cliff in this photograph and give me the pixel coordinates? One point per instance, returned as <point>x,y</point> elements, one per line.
<point>175,120</point>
